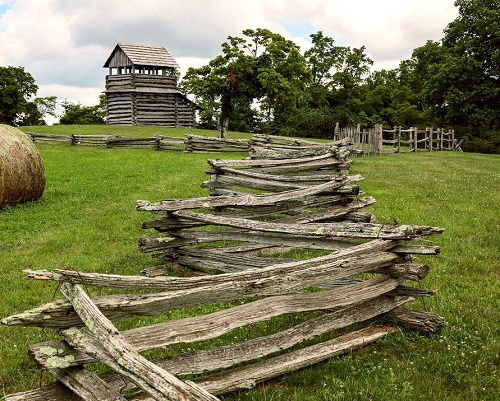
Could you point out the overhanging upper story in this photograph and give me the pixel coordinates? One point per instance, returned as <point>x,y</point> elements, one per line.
<point>128,58</point>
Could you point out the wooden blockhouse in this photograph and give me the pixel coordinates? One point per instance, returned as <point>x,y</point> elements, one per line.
<point>141,88</point>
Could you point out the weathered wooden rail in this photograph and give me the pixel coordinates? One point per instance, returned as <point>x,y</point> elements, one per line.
<point>191,143</point>
<point>197,143</point>
<point>280,240</point>
<point>376,140</point>
<point>362,142</point>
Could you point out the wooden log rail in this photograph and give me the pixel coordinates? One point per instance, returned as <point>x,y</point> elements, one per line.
<point>415,139</point>
<point>247,267</point>
<point>376,140</point>
<point>49,138</point>
<point>196,143</point>
<point>361,142</point>
<point>281,170</point>
<point>191,143</point>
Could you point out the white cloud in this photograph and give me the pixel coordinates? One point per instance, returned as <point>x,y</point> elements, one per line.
<point>64,44</point>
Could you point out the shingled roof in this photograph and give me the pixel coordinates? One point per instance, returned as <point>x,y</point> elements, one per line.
<point>128,54</point>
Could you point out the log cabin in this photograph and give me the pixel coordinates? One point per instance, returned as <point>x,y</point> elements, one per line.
<point>141,88</point>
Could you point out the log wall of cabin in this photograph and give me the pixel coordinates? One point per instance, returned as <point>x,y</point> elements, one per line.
<point>147,100</point>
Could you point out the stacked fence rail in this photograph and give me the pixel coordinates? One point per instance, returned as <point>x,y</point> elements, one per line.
<point>282,254</point>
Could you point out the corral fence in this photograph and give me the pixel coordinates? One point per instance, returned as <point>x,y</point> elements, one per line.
<point>282,251</point>
<point>377,140</point>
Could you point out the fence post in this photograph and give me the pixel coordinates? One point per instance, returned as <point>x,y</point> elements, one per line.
<point>158,139</point>
<point>380,133</point>
<point>399,138</point>
<point>430,139</point>
<point>360,138</point>
<point>394,139</point>
<point>415,139</point>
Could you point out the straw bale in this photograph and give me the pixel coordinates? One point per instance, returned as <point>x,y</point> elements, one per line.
<point>22,176</point>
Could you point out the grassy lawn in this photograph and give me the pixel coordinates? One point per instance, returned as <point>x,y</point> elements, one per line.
<point>87,221</point>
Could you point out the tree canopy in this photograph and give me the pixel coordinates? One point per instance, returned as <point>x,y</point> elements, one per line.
<point>17,103</point>
<point>16,88</point>
<point>75,113</point>
<point>263,83</point>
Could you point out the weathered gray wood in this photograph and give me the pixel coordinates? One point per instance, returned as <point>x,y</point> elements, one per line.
<point>285,178</point>
<point>51,392</point>
<point>325,230</point>
<point>266,163</point>
<point>418,249</point>
<point>181,283</point>
<point>360,217</point>
<point>409,271</point>
<point>249,376</point>
<point>423,322</point>
<point>331,166</point>
<point>275,152</point>
<point>233,201</point>
<point>227,263</point>
<point>215,324</point>
<point>118,354</point>
<point>329,213</point>
<point>234,354</point>
<point>88,385</point>
<point>277,279</point>
<point>227,181</point>
<point>224,354</point>
<point>340,204</point>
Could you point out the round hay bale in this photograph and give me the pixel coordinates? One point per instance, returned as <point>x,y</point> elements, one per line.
<point>22,177</point>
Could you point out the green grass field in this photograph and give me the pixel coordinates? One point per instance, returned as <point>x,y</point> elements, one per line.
<point>86,220</point>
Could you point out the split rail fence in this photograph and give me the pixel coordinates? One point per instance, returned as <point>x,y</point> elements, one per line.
<point>363,142</point>
<point>192,143</point>
<point>282,252</point>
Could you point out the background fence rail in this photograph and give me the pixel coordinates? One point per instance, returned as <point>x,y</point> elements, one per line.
<point>362,141</point>
<point>377,140</point>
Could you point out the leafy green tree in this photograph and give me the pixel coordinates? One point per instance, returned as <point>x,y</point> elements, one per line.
<point>338,73</point>
<point>258,80</point>
<point>472,41</point>
<point>38,109</point>
<point>461,75</point>
<point>204,83</point>
<point>16,88</point>
<point>75,113</point>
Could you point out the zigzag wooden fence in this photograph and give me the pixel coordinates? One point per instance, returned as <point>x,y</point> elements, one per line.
<point>192,143</point>
<point>242,248</point>
<point>362,142</point>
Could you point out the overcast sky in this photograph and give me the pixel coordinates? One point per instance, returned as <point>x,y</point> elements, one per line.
<point>64,44</point>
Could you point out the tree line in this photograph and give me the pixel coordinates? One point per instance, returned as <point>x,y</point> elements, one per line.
<point>262,82</point>
<point>20,106</point>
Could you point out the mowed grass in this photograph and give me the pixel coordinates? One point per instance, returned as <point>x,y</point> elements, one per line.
<point>86,220</point>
